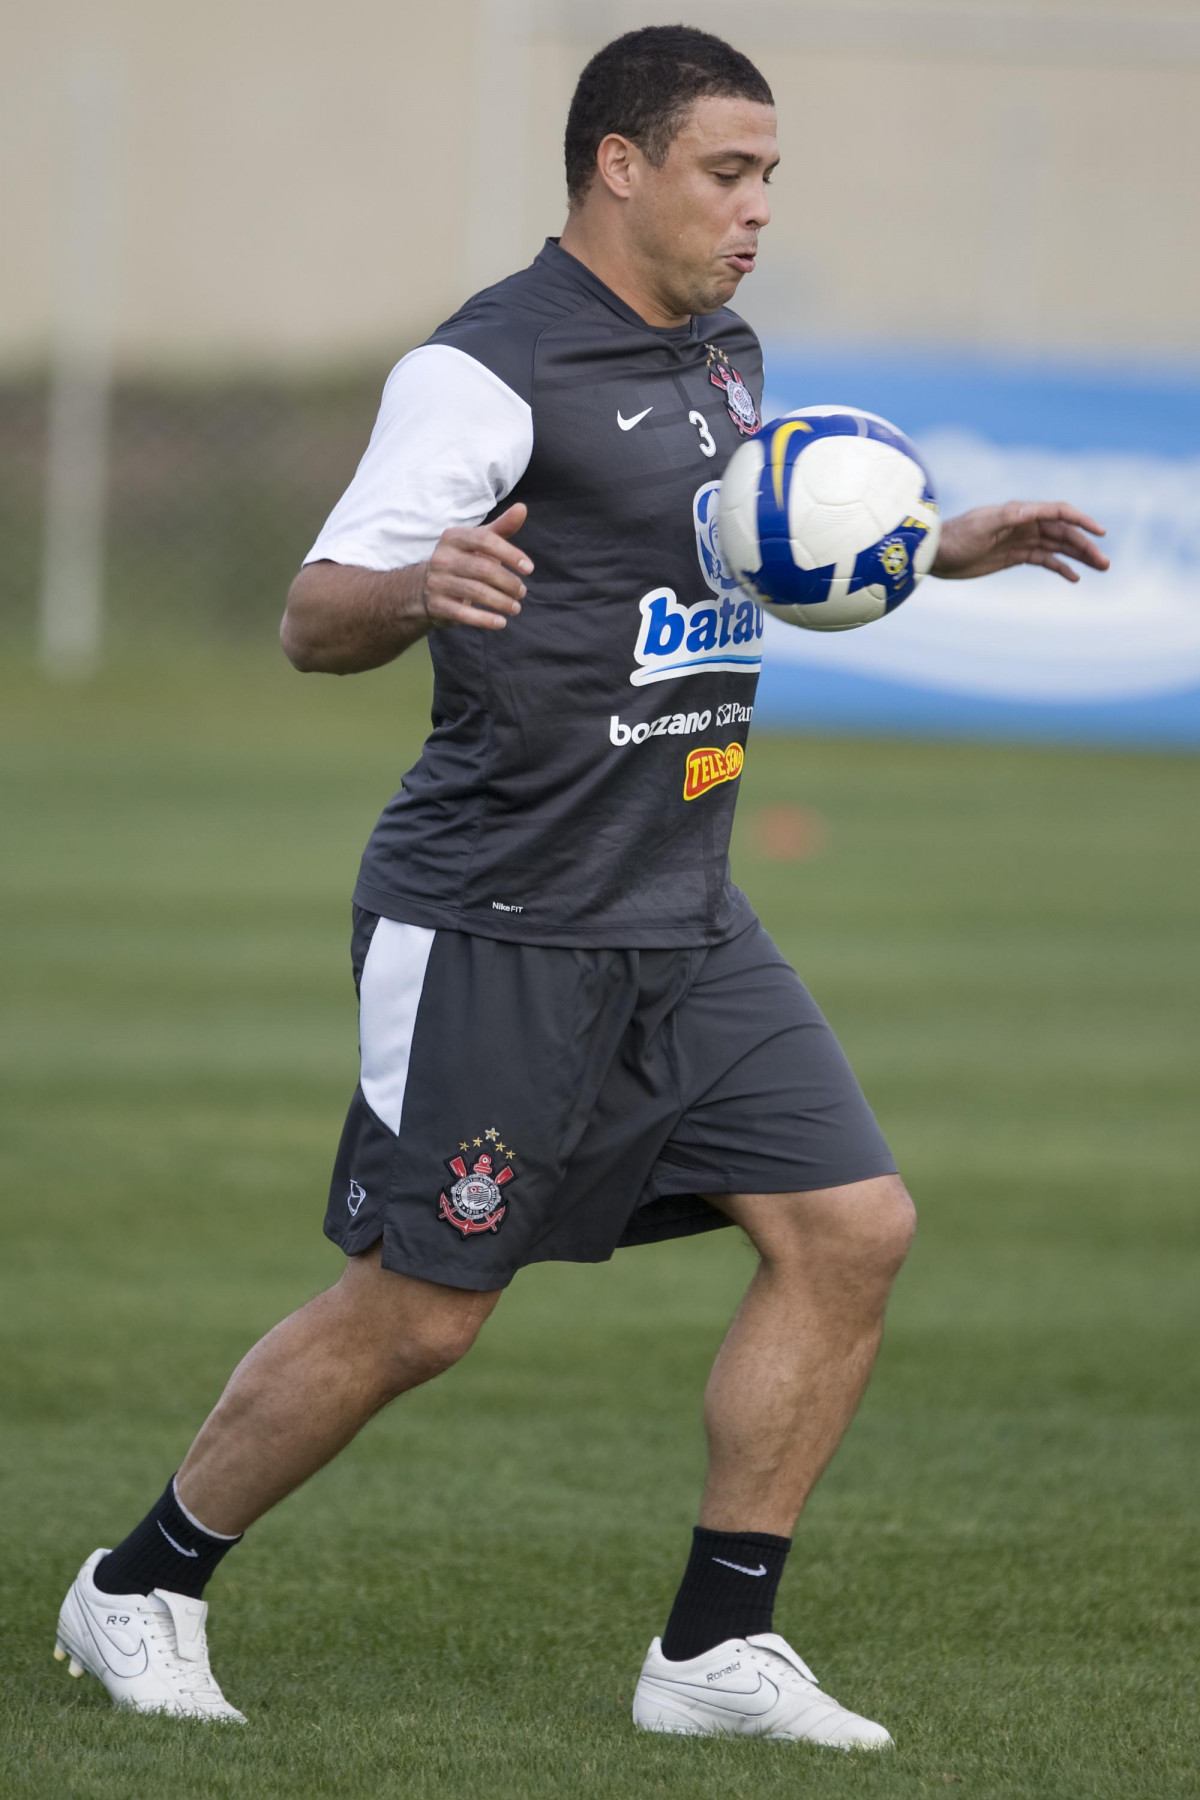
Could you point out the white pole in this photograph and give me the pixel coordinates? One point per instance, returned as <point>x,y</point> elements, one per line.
<point>499,140</point>
<point>81,377</point>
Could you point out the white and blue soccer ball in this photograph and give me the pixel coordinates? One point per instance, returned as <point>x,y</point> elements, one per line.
<point>828,517</point>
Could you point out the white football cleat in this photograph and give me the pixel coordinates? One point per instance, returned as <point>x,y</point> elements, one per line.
<point>750,1687</point>
<point>149,1650</point>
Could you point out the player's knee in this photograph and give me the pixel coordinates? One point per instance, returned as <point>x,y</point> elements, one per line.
<point>403,1329</point>
<point>872,1230</point>
<point>857,1236</point>
<point>892,1224</point>
<point>423,1348</point>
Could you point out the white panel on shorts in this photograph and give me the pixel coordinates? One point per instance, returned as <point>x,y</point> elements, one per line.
<point>389,994</point>
<point>450,442</point>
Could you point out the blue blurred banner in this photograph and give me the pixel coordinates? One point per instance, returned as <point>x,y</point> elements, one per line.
<point>1114,659</point>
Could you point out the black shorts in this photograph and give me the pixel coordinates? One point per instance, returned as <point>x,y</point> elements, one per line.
<point>520,1103</point>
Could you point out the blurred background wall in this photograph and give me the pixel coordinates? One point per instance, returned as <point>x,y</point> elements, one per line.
<point>223,225</point>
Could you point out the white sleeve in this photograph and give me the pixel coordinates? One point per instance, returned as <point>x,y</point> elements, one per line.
<point>451,440</point>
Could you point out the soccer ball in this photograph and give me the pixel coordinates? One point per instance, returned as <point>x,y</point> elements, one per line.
<point>828,517</point>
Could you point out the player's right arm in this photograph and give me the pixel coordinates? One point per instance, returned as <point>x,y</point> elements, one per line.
<point>341,619</point>
<point>406,550</point>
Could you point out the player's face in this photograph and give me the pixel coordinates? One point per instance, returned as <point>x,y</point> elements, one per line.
<point>698,217</point>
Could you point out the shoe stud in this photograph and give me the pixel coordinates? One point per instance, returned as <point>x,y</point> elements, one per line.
<point>60,1654</point>
<point>75,1668</point>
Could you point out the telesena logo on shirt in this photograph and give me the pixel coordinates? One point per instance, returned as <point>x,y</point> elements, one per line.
<point>721,634</point>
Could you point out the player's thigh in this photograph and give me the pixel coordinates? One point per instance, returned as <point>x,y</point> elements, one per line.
<point>771,1104</point>
<point>481,1063</point>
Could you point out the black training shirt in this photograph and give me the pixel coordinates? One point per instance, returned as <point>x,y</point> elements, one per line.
<point>579,782</point>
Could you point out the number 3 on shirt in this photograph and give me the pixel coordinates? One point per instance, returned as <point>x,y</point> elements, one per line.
<point>706,437</point>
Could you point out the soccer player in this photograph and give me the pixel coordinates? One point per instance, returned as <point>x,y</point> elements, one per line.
<point>575,1034</point>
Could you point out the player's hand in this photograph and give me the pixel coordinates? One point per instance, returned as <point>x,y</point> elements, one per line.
<point>474,574</point>
<point>1024,531</point>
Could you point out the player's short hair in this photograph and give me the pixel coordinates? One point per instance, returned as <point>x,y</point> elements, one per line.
<point>643,85</point>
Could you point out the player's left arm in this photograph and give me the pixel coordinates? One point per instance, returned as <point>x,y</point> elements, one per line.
<point>1045,532</point>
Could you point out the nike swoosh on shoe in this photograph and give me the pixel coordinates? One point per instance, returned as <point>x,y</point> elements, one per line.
<point>731,1700</point>
<point>130,1662</point>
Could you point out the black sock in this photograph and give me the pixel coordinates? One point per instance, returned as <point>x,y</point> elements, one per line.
<point>167,1550</point>
<point>728,1590</point>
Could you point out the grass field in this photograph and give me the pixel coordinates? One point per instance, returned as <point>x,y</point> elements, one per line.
<point>1002,1562</point>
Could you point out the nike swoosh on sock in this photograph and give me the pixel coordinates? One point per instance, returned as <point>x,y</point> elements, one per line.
<point>180,1547</point>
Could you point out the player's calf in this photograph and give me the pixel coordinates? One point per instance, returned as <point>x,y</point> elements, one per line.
<point>293,1402</point>
<point>309,1386</point>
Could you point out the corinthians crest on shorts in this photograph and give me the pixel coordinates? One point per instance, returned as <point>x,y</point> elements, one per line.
<point>738,397</point>
<point>476,1201</point>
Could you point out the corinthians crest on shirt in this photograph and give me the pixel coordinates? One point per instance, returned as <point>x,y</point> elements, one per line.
<point>476,1201</point>
<point>738,397</point>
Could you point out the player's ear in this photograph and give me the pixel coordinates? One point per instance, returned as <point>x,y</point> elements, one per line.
<point>614,164</point>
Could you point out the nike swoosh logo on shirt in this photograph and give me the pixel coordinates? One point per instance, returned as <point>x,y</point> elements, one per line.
<point>172,1542</point>
<point>740,1567</point>
<point>752,1702</point>
<point>628,424</point>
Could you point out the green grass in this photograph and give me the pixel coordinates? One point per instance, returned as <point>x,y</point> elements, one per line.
<point>1001,1563</point>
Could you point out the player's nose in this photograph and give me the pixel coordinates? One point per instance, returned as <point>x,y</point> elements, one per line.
<point>757,212</point>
